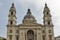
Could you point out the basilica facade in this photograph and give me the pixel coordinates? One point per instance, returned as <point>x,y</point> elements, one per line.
<point>30,29</point>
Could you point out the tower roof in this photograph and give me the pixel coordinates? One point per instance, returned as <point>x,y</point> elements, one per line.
<point>12,8</point>
<point>46,8</point>
<point>46,5</point>
<point>12,3</point>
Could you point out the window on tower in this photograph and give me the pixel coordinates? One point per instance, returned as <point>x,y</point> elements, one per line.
<point>11,13</point>
<point>43,31</point>
<point>49,31</point>
<point>11,22</point>
<point>48,23</point>
<point>17,31</point>
<point>10,31</point>
<point>47,13</point>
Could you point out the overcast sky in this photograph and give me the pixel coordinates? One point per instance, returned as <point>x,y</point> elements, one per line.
<point>36,7</point>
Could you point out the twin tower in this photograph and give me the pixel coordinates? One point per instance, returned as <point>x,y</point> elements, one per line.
<point>30,29</point>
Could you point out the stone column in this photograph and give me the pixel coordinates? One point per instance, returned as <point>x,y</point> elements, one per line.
<point>39,34</point>
<point>22,34</point>
<point>46,32</point>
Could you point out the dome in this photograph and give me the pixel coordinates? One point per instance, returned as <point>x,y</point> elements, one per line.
<point>29,17</point>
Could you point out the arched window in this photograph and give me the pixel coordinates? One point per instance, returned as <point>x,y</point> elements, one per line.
<point>47,12</point>
<point>11,13</point>
<point>43,31</point>
<point>11,22</point>
<point>30,32</point>
<point>48,23</point>
<point>17,31</point>
<point>30,35</point>
<point>10,31</point>
<point>49,31</point>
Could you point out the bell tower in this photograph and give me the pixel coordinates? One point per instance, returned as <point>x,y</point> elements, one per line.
<point>11,23</point>
<point>48,25</point>
<point>47,16</point>
<point>12,15</point>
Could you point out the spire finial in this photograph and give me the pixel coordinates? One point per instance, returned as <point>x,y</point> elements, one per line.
<point>12,3</point>
<point>28,10</point>
<point>46,7</point>
<point>45,4</point>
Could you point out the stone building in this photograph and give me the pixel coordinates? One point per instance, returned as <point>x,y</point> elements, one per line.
<point>57,38</point>
<point>29,29</point>
<point>2,38</point>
